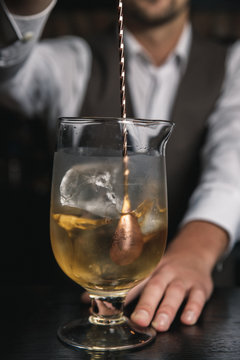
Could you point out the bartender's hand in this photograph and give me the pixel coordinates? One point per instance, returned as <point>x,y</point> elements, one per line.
<point>26,7</point>
<point>183,273</point>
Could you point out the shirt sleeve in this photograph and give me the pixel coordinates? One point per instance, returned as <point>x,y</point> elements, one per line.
<point>217,197</point>
<point>52,74</point>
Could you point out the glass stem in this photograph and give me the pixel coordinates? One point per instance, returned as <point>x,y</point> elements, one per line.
<point>107,310</point>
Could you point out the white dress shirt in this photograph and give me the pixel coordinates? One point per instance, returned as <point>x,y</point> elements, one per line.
<point>52,83</point>
<point>153,88</point>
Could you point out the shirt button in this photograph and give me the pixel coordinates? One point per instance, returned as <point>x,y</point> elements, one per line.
<point>27,36</point>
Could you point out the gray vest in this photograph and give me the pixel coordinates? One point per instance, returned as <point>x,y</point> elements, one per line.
<point>195,100</point>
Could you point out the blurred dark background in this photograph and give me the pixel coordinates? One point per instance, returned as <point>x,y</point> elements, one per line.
<point>26,158</point>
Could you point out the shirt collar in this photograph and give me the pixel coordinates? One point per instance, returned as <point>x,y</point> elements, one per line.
<point>181,51</point>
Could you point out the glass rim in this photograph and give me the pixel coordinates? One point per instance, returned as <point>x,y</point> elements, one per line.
<point>106,119</point>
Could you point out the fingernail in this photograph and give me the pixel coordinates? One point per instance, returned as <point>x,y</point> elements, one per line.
<point>189,317</point>
<point>161,322</point>
<point>140,315</point>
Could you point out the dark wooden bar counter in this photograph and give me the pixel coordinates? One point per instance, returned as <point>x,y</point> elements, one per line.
<point>30,317</point>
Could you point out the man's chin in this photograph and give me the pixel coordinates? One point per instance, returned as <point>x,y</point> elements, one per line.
<point>154,15</point>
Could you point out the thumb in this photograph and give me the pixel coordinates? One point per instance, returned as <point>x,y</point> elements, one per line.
<point>85,298</point>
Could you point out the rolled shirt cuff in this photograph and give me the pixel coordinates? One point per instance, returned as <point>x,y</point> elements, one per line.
<point>218,207</point>
<point>30,27</point>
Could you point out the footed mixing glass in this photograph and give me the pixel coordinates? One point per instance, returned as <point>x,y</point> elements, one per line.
<point>108,220</point>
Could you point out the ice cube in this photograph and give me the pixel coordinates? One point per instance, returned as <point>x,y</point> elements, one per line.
<point>94,188</point>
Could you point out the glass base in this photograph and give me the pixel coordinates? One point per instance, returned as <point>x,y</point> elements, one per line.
<point>83,334</point>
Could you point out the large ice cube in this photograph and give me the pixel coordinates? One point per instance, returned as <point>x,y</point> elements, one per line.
<point>94,188</point>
